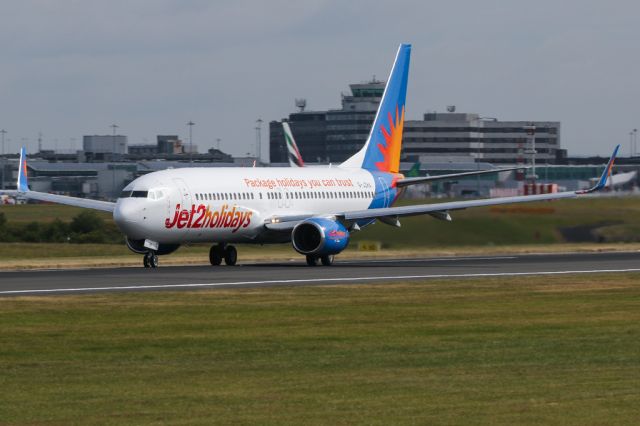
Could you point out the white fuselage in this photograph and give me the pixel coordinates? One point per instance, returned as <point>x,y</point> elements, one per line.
<point>231,204</point>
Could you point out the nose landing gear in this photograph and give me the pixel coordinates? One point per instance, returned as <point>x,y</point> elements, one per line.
<point>150,260</point>
<point>222,251</point>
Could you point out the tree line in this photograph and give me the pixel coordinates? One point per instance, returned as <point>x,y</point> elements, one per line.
<point>86,227</point>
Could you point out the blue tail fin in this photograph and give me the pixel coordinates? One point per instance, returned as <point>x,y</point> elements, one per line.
<point>381,152</point>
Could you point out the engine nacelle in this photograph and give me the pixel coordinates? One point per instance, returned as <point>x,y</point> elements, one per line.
<point>137,246</point>
<point>319,237</point>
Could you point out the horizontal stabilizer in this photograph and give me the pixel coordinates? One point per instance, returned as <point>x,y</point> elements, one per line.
<point>427,179</point>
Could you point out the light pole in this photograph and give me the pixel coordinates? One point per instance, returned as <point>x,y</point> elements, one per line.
<point>635,141</point>
<point>258,140</point>
<point>114,193</point>
<point>3,132</point>
<point>630,144</point>
<point>191,124</point>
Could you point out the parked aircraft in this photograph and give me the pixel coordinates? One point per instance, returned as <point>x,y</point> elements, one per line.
<point>314,208</point>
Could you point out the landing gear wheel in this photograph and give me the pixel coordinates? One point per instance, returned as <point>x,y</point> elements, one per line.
<point>230,255</point>
<point>327,260</point>
<point>150,260</point>
<point>312,260</point>
<point>216,253</point>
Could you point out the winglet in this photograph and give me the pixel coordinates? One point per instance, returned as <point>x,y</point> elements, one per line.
<point>22,172</point>
<point>605,174</point>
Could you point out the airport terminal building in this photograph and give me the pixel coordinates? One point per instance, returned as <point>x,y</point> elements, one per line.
<point>333,136</point>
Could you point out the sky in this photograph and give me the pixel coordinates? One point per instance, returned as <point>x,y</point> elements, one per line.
<point>70,68</point>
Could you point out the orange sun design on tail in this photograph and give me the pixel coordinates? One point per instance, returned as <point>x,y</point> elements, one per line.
<point>393,138</point>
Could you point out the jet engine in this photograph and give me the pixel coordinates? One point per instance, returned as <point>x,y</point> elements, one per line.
<point>137,246</point>
<point>319,237</point>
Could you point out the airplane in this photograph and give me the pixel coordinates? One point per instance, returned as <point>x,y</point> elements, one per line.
<point>314,208</point>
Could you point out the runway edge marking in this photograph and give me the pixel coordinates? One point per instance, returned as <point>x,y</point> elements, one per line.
<point>311,280</point>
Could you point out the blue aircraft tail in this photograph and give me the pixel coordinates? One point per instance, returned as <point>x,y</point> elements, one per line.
<point>381,152</point>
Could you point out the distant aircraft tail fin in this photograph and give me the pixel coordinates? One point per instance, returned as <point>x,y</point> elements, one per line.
<point>414,171</point>
<point>295,159</point>
<point>606,174</point>
<point>381,152</point>
<point>22,183</point>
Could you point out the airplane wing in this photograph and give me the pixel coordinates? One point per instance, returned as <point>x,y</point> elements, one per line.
<point>440,210</point>
<point>426,179</point>
<point>23,190</point>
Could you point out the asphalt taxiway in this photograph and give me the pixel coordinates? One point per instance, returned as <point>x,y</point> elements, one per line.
<point>42,282</point>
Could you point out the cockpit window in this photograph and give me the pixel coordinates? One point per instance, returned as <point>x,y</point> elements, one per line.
<point>156,194</point>
<point>139,194</point>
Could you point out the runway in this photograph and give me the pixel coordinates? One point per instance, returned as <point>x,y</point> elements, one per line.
<point>43,282</point>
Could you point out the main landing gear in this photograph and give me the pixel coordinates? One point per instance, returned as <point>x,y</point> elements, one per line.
<point>223,251</point>
<point>326,260</point>
<point>150,260</point>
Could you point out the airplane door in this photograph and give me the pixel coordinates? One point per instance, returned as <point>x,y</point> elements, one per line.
<point>183,197</point>
<point>284,198</point>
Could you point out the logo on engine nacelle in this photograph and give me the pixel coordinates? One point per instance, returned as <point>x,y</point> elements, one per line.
<point>336,234</point>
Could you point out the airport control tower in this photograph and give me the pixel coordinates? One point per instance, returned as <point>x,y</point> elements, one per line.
<point>333,135</point>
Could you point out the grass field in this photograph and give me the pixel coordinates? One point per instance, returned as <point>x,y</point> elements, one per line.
<point>488,351</point>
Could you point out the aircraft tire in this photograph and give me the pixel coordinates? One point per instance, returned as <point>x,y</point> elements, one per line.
<point>145,260</point>
<point>312,260</point>
<point>230,255</point>
<point>327,260</point>
<point>216,253</point>
<point>153,260</point>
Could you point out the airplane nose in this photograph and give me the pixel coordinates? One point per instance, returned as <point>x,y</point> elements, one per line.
<point>127,217</point>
